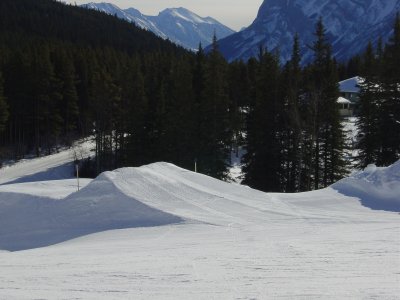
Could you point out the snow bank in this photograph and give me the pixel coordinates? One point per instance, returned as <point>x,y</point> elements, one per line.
<point>36,214</point>
<point>377,188</point>
<point>29,219</point>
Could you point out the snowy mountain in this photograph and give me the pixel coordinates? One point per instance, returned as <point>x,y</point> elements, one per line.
<point>350,25</point>
<point>180,25</point>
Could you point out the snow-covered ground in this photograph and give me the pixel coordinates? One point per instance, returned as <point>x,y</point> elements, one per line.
<point>53,167</point>
<point>161,232</point>
<point>351,133</point>
<point>374,183</point>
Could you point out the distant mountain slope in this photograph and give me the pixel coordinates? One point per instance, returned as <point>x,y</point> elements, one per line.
<point>179,25</point>
<point>47,19</point>
<point>350,25</point>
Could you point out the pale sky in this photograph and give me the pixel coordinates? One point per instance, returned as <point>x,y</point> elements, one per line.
<point>232,13</point>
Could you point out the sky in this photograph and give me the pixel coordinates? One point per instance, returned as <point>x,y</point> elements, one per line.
<point>232,13</point>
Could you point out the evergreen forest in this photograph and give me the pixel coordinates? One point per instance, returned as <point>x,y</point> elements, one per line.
<point>67,73</point>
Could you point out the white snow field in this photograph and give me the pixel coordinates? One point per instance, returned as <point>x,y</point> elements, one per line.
<point>162,232</point>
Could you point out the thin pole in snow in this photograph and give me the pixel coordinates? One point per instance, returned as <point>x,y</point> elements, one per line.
<point>195,165</point>
<point>77,174</point>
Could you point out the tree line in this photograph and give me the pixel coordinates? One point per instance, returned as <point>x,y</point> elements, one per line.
<point>379,120</point>
<point>147,100</point>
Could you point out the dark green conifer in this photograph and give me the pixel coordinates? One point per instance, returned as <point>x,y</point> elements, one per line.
<point>263,160</point>
<point>368,115</point>
<point>4,114</point>
<point>326,129</point>
<point>390,101</point>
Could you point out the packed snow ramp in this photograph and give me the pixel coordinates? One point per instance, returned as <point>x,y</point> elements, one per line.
<point>155,195</point>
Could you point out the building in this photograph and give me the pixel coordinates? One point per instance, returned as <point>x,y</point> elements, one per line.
<point>350,96</point>
<point>350,89</point>
<point>346,108</point>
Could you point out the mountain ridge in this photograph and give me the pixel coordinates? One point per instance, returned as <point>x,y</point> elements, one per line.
<point>350,25</point>
<point>179,25</point>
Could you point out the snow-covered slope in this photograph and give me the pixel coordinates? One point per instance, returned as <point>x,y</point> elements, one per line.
<point>207,239</point>
<point>34,221</point>
<point>180,25</point>
<point>374,183</point>
<point>52,167</point>
<point>350,25</point>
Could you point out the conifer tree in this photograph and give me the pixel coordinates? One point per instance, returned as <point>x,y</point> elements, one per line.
<point>105,96</point>
<point>65,73</point>
<point>135,95</point>
<point>179,146</point>
<point>379,113</point>
<point>200,140</point>
<point>214,111</point>
<point>292,153</point>
<point>4,114</point>
<point>368,116</point>
<point>48,121</point>
<point>263,160</point>
<point>239,93</point>
<point>326,128</point>
<point>18,84</point>
<point>390,100</point>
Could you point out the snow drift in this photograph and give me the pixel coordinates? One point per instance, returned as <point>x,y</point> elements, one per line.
<point>43,213</point>
<point>377,188</point>
<point>32,220</point>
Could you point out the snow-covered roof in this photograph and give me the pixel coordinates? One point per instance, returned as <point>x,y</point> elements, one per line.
<point>351,85</point>
<point>342,100</point>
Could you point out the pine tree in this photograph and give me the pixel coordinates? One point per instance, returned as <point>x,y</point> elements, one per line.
<point>390,101</point>
<point>239,93</point>
<point>326,128</point>
<point>105,96</point>
<point>69,110</point>
<point>47,117</point>
<point>4,114</point>
<point>200,139</point>
<point>263,160</point>
<point>214,116</point>
<point>379,113</point>
<point>18,83</point>
<point>292,92</point>
<point>368,116</point>
<point>179,145</point>
<point>134,96</point>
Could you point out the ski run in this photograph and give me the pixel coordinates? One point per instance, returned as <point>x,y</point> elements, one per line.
<point>162,232</point>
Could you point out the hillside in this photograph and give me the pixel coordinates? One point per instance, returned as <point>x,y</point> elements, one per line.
<point>64,70</point>
<point>53,20</point>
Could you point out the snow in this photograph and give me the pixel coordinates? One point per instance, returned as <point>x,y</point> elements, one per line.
<point>235,170</point>
<point>374,183</point>
<point>179,25</point>
<point>182,13</point>
<point>342,100</point>
<point>162,232</point>
<point>350,26</point>
<point>350,85</point>
<point>351,134</point>
<point>52,167</point>
<point>53,189</point>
